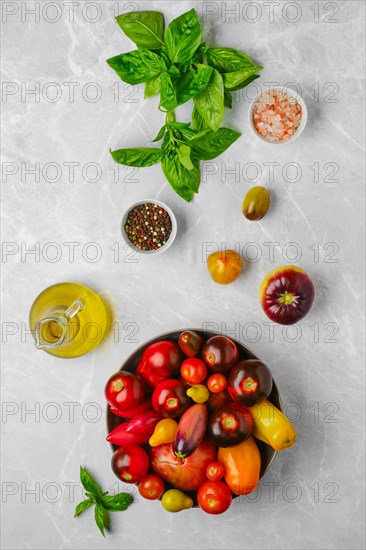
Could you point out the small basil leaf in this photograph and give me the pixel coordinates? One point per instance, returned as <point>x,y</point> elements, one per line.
<point>168,98</point>
<point>228,60</point>
<point>245,83</point>
<point>198,56</point>
<point>117,503</point>
<point>184,182</point>
<point>152,87</point>
<point>232,80</point>
<point>179,125</point>
<point>184,155</point>
<point>99,517</point>
<point>89,482</point>
<point>212,144</point>
<point>137,66</point>
<point>210,102</point>
<point>145,28</point>
<point>198,121</point>
<point>160,134</point>
<point>139,156</point>
<point>174,71</point>
<point>183,37</point>
<point>228,100</point>
<point>192,83</point>
<point>83,505</point>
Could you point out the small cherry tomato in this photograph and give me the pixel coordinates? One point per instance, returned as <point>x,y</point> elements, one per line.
<point>151,487</point>
<point>215,471</point>
<point>170,399</point>
<point>193,370</point>
<point>124,390</point>
<point>214,497</point>
<point>216,383</point>
<point>190,343</point>
<point>130,463</point>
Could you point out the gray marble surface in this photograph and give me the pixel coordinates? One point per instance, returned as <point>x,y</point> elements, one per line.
<point>313,495</point>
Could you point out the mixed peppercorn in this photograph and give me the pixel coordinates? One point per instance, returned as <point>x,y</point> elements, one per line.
<point>148,226</point>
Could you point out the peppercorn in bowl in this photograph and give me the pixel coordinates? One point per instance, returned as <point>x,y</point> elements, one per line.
<point>149,227</point>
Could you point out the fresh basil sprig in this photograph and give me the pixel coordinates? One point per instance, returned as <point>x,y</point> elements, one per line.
<point>176,64</point>
<point>103,502</point>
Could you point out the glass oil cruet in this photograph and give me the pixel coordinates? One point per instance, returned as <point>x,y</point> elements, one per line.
<point>68,320</point>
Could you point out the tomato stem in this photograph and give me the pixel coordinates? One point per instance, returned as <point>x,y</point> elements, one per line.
<point>287,298</point>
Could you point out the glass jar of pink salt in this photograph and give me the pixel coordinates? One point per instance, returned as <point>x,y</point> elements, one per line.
<point>278,115</point>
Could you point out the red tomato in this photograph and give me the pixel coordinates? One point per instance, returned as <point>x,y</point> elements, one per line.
<point>124,390</point>
<point>214,497</point>
<point>170,399</point>
<point>216,383</point>
<point>193,370</point>
<point>215,471</point>
<point>159,361</point>
<point>130,463</point>
<point>151,487</point>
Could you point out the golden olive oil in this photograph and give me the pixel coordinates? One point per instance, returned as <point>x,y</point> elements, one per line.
<point>66,331</point>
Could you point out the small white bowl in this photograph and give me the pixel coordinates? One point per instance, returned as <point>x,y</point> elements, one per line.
<point>172,236</point>
<point>299,100</point>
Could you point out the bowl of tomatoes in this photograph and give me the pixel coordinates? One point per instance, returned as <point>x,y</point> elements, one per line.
<point>194,418</point>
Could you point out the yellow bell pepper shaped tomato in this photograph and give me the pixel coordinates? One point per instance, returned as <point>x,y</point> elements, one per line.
<point>271,426</point>
<point>176,501</point>
<point>199,393</point>
<point>164,432</point>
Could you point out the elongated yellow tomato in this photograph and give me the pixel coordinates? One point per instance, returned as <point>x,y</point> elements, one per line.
<point>164,432</point>
<point>271,426</point>
<point>176,501</point>
<point>242,465</point>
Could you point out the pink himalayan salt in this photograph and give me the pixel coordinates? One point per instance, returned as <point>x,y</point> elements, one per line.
<point>276,116</point>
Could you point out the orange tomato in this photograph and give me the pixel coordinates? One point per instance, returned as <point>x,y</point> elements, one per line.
<point>224,266</point>
<point>242,466</point>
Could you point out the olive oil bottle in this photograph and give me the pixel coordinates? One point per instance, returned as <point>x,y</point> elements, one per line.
<point>68,320</point>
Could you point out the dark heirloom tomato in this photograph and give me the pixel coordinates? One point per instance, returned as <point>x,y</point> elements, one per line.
<point>220,353</point>
<point>170,398</point>
<point>286,294</point>
<point>124,390</point>
<point>250,382</point>
<point>229,425</point>
<point>130,463</point>
<point>159,361</point>
<point>214,497</point>
<point>190,343</point>
<point>217,400</point>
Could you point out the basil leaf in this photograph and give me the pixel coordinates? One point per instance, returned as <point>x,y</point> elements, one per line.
<point>117,503</point>
<point>198,56</point>
<point>152,87</point>
<point>198,121</point>
<point>174,71</point>
<point>228,100</point>
<point>137,66</point>
<point>213,144</point>
<point>145,28</point>
<point>192,83</point>
<point>83,505</point>
<point>89,482</point>
<point>183,37</point>
<point>243,84</point>
<point>210,102</point>
<point>99,517</point>
<point>184,155</point>
<point>168,98</point>
<point>184,182</point>
<point>232,80</point>
<point>160,134</point>
<point>179,125</point>
<point>139,156</point>
<point>228,60</point>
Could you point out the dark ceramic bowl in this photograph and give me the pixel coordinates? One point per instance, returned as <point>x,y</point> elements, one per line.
<point>267,453</point>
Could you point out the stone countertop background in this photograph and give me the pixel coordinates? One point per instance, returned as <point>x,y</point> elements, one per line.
<point>60,186</point>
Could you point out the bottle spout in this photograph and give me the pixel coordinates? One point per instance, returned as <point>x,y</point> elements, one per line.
<point>51,331</point>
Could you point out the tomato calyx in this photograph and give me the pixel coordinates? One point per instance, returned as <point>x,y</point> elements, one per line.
<point>126,476</point>
<point>229,422</point>
<point>287,298</point>
<point>172,403</point>
<point>117,385</point>
<point>249,385</point>
<point>210,358</point>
